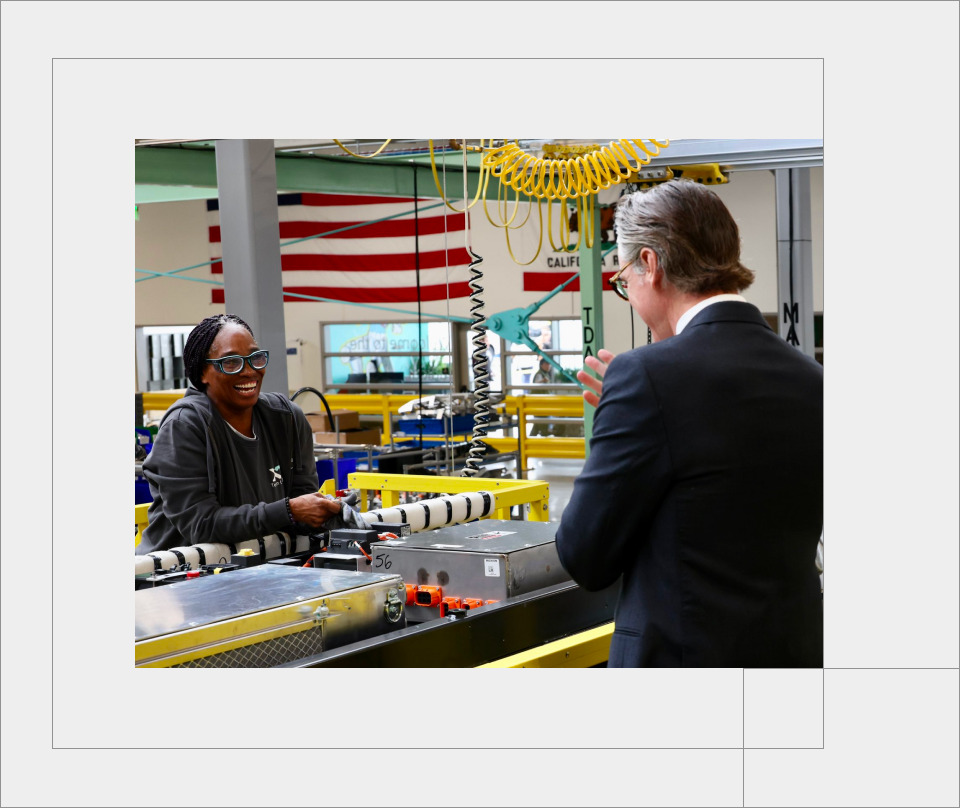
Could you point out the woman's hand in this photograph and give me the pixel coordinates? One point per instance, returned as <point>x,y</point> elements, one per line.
<point>313,509</point>
<point>598,363</point>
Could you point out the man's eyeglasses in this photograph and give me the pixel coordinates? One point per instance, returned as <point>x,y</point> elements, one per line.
<point>234,364</point>
<point>618,284</point>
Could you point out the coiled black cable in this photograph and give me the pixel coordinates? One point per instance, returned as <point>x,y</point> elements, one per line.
<point>481,374</point>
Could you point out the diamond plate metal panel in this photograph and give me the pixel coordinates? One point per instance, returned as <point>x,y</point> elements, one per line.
<point>265,654</point>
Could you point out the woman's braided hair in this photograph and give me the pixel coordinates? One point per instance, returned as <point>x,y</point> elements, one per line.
<point>197,349</point>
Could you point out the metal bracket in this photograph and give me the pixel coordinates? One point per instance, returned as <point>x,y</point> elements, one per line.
<point>393,607</point>
<point>513,325</point>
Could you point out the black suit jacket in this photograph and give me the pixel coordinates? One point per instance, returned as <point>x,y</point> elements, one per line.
<point>704,490</point>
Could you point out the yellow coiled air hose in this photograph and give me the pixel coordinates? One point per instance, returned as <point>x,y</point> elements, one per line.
<point>582,175</point>
<point>578,177</point>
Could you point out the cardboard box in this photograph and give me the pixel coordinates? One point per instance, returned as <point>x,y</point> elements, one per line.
<point>347,419</point>
<point>352,436</point>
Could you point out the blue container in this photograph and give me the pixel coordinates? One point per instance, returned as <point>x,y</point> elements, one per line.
<point>142,494</point>
<point>344,467</point>
<point>462,424</point>
<point>143,491</point>
<point>361,458</point>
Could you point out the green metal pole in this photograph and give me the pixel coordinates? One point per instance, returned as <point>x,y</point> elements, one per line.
<point>591,306</point>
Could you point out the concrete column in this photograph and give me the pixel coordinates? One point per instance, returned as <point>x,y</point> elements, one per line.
<point>250,235</point>
<point>795,258</point>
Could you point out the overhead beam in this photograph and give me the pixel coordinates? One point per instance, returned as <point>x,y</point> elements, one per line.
<point>194,167</point>
<point>394,176</point>
<point>145,194</point>
<point>743,155</point>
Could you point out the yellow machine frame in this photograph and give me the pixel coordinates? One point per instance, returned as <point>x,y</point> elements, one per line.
<point>507,493</point>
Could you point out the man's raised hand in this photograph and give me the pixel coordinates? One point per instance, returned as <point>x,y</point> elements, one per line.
<point>599,364</point>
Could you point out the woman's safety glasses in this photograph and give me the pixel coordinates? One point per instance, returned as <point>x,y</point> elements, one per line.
<point>234,364</point>
<point>618,284</point>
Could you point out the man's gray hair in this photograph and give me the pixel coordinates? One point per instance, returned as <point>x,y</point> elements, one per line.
<point>696,240</point>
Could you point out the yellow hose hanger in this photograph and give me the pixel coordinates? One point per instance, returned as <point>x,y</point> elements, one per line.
<point>564,173</point>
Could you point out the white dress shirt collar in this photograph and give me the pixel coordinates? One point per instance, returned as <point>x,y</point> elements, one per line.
<point>694,310</point>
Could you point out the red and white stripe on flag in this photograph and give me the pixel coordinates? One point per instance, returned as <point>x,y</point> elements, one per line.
<point>371,264</point>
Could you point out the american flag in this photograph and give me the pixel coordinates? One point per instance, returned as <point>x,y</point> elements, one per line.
<point>371,264</point>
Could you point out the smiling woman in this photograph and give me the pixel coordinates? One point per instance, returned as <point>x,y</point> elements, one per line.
<point>230,463</point>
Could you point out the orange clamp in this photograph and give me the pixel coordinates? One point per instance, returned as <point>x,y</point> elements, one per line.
<point>429,595</point>
<point>411,594</point>
<point>452,603</point>
<point>472,603</point>
<point>488,602</point>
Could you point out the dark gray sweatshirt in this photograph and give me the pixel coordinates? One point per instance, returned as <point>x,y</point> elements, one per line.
<point>211,484</point>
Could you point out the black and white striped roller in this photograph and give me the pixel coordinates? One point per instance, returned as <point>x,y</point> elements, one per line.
<point>276,545</point>
<point>431,513</point>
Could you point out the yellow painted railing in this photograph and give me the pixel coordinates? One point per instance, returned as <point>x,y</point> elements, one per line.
<point>366,404</point>
<point>140,512</point>
<point>583,650</point>
<point>161,401</point>
<point>507,493</point>
<point>521,406</point>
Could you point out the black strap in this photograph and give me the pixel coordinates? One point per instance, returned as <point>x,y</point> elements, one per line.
<point>283,545</point>
<point>263,549</point>
<point>203,557</point>
<point>487,503</point>
<point>469,505</point>
<point>379,517</point>
<point>180,557</point>
<point>403,515</point>
<point>449,510</point>
<point>233,548</point>
<point>157,563</point>
<point>426,515</point>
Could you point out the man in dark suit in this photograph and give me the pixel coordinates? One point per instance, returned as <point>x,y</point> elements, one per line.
<point>704,485</point>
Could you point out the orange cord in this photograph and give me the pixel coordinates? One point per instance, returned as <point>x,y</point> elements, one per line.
<point>314,556</point>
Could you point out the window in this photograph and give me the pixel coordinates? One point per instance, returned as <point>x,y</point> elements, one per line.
<point>524,371</point>
<point>160,357</point>
<point>385,357</point>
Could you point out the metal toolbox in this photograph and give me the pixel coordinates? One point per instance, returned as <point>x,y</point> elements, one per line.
<point>263,616</point>
<point>489,560</point>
